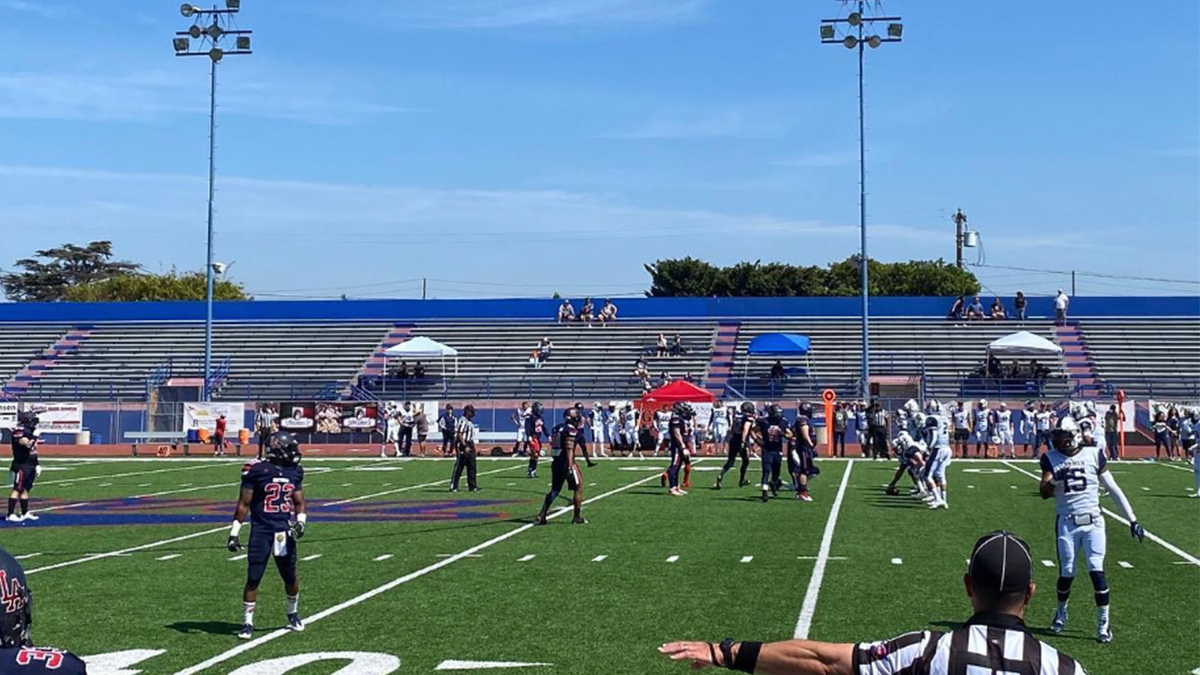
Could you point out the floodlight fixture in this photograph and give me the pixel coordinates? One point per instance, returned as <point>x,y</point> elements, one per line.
<point>216,54</point>
<point>196,31</point>
<point>854,19</point>
<point>874,41</point>
<point>187,9</point>
<point>851,42</point>
<point>234,5</point>
<point>827,32</point>
<point>895,30</point>
<point>243,43</point>
<point>214,31</point>
<point>182,44</point>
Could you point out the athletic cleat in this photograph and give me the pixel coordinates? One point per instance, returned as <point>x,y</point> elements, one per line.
<point>30,516</point>
<point>539,519</point>
<point>1060,620</point>
<point>13,518</point>
<point>935,504</point>
<point>579,521</point>
<point>743,483</point>
<point>720,480</point>
<point>675,492</point>
<point>1104,633</point>
<point>662,480</point>
<point>294,623</point>
<point>803,496</point>
<point>590,463</point>
<point>914,492</point>
<point>764,498</point>
<point>246,632</point>
<point>475,489</point>
<point>454,489</point>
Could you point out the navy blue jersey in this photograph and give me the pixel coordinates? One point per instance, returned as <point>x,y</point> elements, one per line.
<point>534,427</point>
<point>34,661</point>
<point>680,426</point>
<point>23,457</point>
<point>800,443</point>
<point>273,485</point>
<point>566,436</point>
<point>739,423</point>
<point>772,434</point>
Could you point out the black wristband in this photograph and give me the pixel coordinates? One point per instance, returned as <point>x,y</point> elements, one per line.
<point>726,653</point>
<point>747,657</point>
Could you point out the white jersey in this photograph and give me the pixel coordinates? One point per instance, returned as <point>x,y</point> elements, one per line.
<point>662,421</point>
<point>981,420</point>
<point>720,420</point>
<point>1076,480</point>
<point>915,427</point>
<point>960,420</point>
<point>938,437</point>
<point>630,420</point>
<point>1042,420</point>
<point>1004,420</point>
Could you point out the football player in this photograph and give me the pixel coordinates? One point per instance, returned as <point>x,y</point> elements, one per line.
<point>1072,474</point>
<point>24,467</point>
<point>981,419</point>
<point>563,469</point>
<point>1004,432</point>
<point>912,454</point>
<point>535,430</point>
<point>446,424</point>
<point>599,421</point>
<point>718,423</point>
<point>1189,438</point>
<point>18,656</point>
<point>937,438</point>
<point>629,431</point>
<point>801,452</point>
<point>679,433</point>
<point>273,498</point>
<point>662,426</point>
<point>520,418</point>
<point>581,442</point>
<point>772,433</point>
<point>739,443</point>
<point>962,427</point>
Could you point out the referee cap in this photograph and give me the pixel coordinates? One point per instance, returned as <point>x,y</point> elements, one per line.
<point>1001,563</point>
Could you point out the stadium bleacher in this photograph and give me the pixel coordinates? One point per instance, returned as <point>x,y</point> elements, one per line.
<point>1158,358</point>
<point>20,344</point>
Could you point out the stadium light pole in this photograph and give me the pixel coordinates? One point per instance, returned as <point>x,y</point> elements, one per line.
<point>210,26</point>
<point>856,30</point>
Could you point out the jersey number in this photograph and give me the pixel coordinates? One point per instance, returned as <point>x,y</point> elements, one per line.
<point>1074,480</point>
<point>278,498</point>
<point>53,659</point>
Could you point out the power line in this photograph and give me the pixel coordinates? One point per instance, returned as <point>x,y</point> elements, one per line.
<point>1098,275</point>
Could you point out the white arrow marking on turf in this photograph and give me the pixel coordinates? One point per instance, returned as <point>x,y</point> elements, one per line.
<point>169,557</point>
<point>311,557</point>
<point>897,561</point>
<point>527,558</point>
<point>673,558</point>
<point>1046,563</point>
<point>236,558</point>
<point>747,558</point>
<point>383,557</point>
<point>1124,564</point>
<point>27,556</point>
<point>120,663</point>
<point>599,558</point>
<point>484,665</point>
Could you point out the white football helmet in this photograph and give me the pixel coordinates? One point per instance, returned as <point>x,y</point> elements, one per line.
<point>911,406</point>
<point>1066,436</point>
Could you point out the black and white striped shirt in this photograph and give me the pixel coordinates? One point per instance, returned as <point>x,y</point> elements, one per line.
<point>466,430</point>
<point>989,644</point>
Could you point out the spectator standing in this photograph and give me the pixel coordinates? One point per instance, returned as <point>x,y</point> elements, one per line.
<point>588,312</point>
<point>422,428</point>
<point>418,371</point>
<point>1161,436</point>
<point>608,313</point>
<point>446,425</point>
<point>219,437</point>
<point>1020,303</point>
<point>661,346</point>
<point>840,419</point>
<point>778,373</point>
<point>566,313</point>
<point>402,370</point>
<point>1061,301</point>
<point>677,346</point>
<point>1173,430</point>
<point>1112,420</point>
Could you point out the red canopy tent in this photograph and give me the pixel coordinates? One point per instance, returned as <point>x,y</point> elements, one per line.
<point>679,390</point>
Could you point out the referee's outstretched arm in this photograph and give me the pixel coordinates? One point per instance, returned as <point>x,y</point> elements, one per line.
<point>793,657</point>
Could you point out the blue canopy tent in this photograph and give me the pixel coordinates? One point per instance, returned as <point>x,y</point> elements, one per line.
<point>777,345</point>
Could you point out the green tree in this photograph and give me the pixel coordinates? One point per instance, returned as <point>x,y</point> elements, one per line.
<point>49,273</point>
<point>154,287</point>
<point>682,278</point>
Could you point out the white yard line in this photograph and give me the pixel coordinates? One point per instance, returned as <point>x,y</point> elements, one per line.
<point>126,551</point>
<point>240,556</point>
<point>182,490</point>
<point>310,558</point>
<point>1149,535</point>
<point>406,489</point>
<point>1177,468</point>
<point>171,556</point>
<point>599,558</point>
<point>527,558</point>
<point>809,608</point>
<point>120,475</point>
<point>381,558</point>
<point>357,600</point>
<point>27,556</point>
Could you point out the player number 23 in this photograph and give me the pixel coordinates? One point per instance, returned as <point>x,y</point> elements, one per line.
<point>279,498</point>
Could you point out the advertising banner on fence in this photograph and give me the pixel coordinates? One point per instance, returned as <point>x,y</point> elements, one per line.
<point>204,416</point>
<point>297,417</point>
<point>8,415</point>
<point>329,418</point>
<point>359,417</point>
<point>58,418</point>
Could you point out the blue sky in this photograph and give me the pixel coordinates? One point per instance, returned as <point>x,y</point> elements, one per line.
<point>519,147</point>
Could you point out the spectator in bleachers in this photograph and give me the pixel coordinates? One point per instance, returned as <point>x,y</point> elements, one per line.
<point>608,313</point>
<point>958,309</point>
<point>402,371</point>
<point>661,346</point>
<point>993,366</point>
<point>418,371</point>
<point>687,377</point>
<point>975,310</point>
<point>664,379</point>
<point>1014,371</point>
<point>542,353</point>
<point>997,311</point>
<point>1020,304</point>
<point>1112,420</point>
<point>566,313</point>
<point>778,373</point>
<point>677,348</point>
<point>1060,308</point>
<point>1037,371</point>
<point>588,312</point>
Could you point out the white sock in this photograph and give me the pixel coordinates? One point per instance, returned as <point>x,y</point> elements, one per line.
<point>937,494</point>
<point>248,612</point>
<point>942,491</point>
<point>1103,613</point>
<point>293,603</point>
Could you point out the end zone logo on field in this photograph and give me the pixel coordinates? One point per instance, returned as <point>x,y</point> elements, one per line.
<point>129,511</point>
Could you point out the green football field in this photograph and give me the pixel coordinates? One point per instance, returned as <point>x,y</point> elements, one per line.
<point>128,567</point>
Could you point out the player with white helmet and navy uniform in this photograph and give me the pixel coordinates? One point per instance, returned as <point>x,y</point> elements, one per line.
<point>1072,474</point>
<point>599,422</point>
<point>980,422</point>
<point>912,453</point>
<point>937,437</point>
<point>662,425</point>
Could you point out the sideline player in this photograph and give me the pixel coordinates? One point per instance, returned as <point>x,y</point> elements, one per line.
<point>680,435</point>
<point>446,424</point>
<point>25,467</point>
<point>981,419</point>
<point>520,418</point>
<point>772,432</point>
<point>599,422</point>
<point>801,448</point>
<point>18,656</point>
<point>1072,473</point>
<point>273,497</point>
<point>563,468</point>
<point>739,444</point>
<point>1189,438</point>
<point>662,426</point>
<point>718,423</point>
<point>962,427</point>
<point>465,434</point>
<point>535,430</point>
<point>1004,432</point>
<point>629,431</point>
<point>392,433</point>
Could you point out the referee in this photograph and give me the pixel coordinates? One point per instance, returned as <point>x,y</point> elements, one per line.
<point>998,582</point>
<point>877,429</point>
<point>465,434</point>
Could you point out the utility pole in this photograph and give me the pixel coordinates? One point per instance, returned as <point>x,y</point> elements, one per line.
<point>210,26</point>
<point>960,224</point>
<point>856,30</point>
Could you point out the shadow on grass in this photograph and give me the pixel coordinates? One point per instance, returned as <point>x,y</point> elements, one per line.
<point>209,627</point>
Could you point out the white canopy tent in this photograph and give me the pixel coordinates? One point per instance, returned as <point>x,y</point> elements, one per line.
<point>422,348</point>
<point>1023,343</point>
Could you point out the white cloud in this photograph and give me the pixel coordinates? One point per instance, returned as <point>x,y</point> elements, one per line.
<point>491,14</point>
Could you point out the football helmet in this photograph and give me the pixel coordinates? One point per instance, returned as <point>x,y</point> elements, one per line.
<point>911,406</point>
<point>684,410</point>
<point>983,403</point>
<point>748,407</point>
<point>537,408</point>
<point>931,422</point>
<point>805,408</point>
<point>282,449</point>
<point>1066,436</point>
<point>774,413</point>
<point>27,419</point>
<point>15,612</point>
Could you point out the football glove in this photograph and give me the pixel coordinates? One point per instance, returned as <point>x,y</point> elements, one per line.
<point>1136,529</point>
<point>233,544</point>
<point>298,529</point>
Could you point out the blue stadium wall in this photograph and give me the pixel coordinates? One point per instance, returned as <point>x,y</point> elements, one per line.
<point>544,309</point>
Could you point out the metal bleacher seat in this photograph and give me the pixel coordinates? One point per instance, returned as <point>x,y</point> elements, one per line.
<point>22,343</point>
<point>1148,358</point>
<point>588,363</point>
